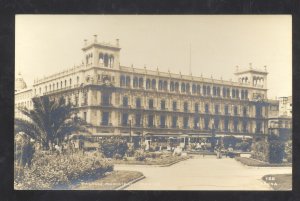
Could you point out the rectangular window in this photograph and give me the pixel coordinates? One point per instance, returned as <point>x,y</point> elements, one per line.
<point>245,111</point>
<point>217,109</point>
<point>150,121</point>
<point>174,105</point>
<point>206,108</point>
<point>138,103</point>
<point>226,124</point>
<point>138,119</point>
<point>124,119</point>
<point>151,104</point>
<point>196,122</point>
<point>84,116</point>
<point>185,122</point>
<point>185,107</point>
<point>235,110</point>
<point>174,122</point>
<point>163,104</point>
<point>105,100</point>
<point>226,110</point>
<point>162,121</point>
<point>196,107</point>
<point>105,118</point>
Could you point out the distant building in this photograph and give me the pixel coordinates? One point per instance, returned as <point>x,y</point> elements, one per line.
<point>23,96</point>
<point>117,100</point>
<point>285,106</point>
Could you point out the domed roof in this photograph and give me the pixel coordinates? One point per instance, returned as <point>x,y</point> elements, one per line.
<point>20,83</point>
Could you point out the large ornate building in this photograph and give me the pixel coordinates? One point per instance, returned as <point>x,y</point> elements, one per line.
<point>117,100</point>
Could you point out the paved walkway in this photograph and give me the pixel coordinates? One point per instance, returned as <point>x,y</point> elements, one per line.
<point>206,173</point>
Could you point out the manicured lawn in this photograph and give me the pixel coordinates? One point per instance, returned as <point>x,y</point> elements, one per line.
<point>279,181</point>
<point>165,161</point>
<point>257,163</point>
<point>111,181</point>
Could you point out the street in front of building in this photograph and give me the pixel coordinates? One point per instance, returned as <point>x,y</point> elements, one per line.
<point>208,173</point>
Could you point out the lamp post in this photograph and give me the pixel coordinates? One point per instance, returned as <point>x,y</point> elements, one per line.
<point>213,135</point>
<point>130,130</point>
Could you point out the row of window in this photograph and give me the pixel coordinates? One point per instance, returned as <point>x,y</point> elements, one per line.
<point>174,123</point>
<point>185,106</point>
<point>57,85</point>
<point>184,87</point>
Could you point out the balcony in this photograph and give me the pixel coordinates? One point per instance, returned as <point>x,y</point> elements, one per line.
<point>105,124</point>
<point>163,126</point>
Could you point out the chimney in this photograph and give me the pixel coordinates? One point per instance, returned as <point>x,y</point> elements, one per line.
<point>95,38</point>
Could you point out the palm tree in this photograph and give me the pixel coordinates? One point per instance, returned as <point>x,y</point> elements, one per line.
<point>49,121</point>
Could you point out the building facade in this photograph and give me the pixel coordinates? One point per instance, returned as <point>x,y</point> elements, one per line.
<point>118,100</point>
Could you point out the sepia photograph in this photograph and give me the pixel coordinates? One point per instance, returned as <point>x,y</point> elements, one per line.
<point>153,102</point>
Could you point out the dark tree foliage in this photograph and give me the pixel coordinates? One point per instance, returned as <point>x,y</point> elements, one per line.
<point>49,121</point>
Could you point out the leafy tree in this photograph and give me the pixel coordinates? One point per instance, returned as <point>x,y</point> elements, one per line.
<point>49,121</point>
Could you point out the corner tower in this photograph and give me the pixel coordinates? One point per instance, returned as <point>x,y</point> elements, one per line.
<point>101,54</point>
<point>253,77</point>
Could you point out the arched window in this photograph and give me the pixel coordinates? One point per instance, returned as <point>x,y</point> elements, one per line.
<point>160,85</point>
<point>65,83</point>
<point>246,94</point>
<point>105,60</point>
<point>176,86</point>
<point>224,92</point>
<point>233,93</point>
<point>165,85</point>
<point>172,87</point>
<point>111,61</point>
<point>53,86</point>
<point>127,81</point>
<point>182,87</point>
<point>61,84</point>
<point>208,90</point>
<point>228,93</point>
<point>49,87</point>
<point>204,90</point>
<point>214,91</point>
<point>141,82</point>
<point>237,93</point>
<point>122,80</point>
<point>198,89</point>
<point>194,89</point>
<point>218,91</point>
<point>148,84</point>
<point>101,58</point>
<point>242,94</point>
<point>135,82</point>
<point>153,84</point>
<point>187,88</point>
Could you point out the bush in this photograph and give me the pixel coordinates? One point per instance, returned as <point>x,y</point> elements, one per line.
<point>271,151</point>
<point>140,155</point>
<point>243,146</point>
<point>276,151</point>
<point>112,146</point>
<point>50,171</point>
<point>288,151</point>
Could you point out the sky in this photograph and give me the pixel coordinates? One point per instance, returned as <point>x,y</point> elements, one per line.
<point>215,44</point>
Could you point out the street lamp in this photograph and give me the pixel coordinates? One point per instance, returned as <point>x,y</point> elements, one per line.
<point>213,134</point>
<point>130,130</point>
